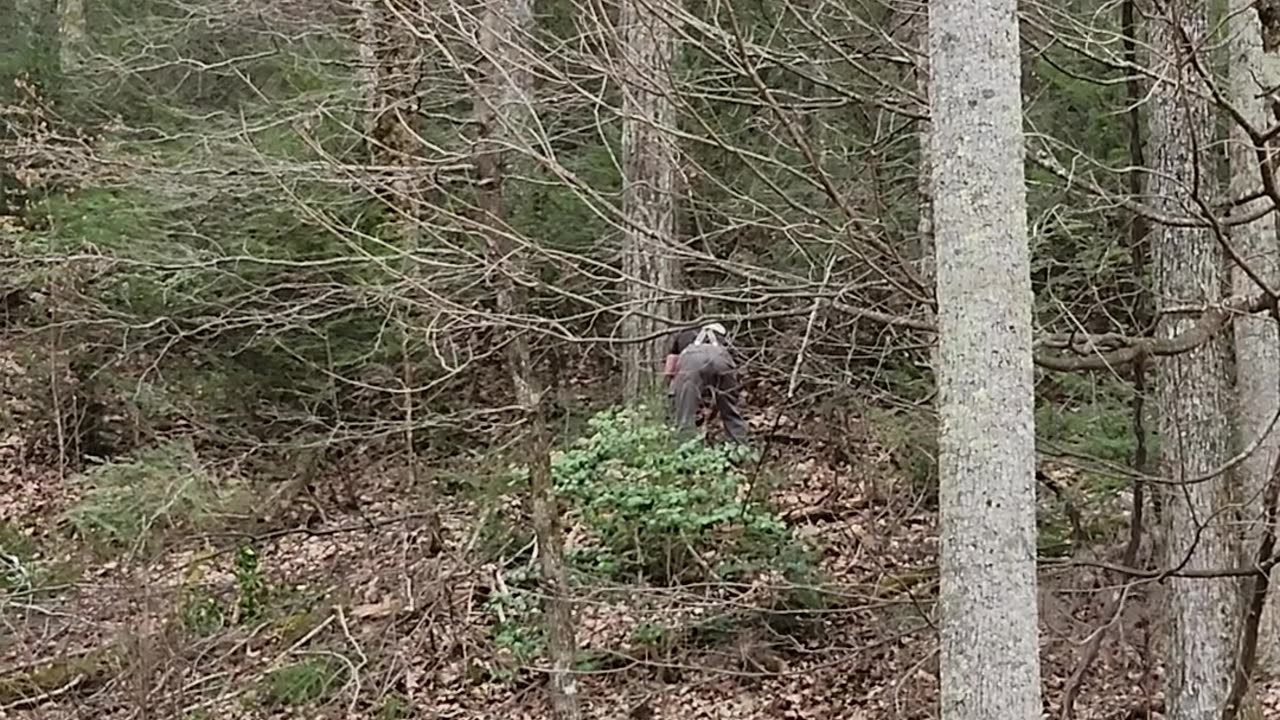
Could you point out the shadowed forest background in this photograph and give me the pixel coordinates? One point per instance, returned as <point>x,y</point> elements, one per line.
<point>309,309</point>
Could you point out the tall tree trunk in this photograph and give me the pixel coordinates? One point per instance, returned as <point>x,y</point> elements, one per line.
<point>925,254</point>
<point>391,66</point>
<point>390,69</point>
<point>1192,388</point>
<point>990,662</point>
<point>368,20</point>
<point>502,111</point>
<point>72,33</point>
<point>919,22</point>
<point>649,155</point>
<point>1254,69</point>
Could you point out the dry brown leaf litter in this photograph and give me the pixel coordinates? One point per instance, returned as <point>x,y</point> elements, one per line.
<point>416,620</point>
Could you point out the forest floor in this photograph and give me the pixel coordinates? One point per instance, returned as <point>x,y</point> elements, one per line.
<point>386,609</point>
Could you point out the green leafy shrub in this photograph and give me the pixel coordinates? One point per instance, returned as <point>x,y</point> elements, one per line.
<point>205,612</point>
<point>128,505</point>
<point>518,630</point>
<point>250,583</point>
<point>653,506</point>
<point>662,507</point>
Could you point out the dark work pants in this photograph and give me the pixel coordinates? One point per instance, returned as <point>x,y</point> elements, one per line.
<point>703,367</point>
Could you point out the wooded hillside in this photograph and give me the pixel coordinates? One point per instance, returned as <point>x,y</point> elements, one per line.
<point>332,344</point>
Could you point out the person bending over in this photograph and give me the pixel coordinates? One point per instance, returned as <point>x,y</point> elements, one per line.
<point>700,359</point>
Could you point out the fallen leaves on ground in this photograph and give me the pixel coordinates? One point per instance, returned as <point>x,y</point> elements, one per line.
<point>406,617</point>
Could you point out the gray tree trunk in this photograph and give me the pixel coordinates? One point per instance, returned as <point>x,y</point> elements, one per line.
<point>502,113</point>
<point>72,33</point>
<point>1192,388</point>
<point>918,40</point>
<point>925,254</point>
<point>1254,70</point>
<point>990,662</point>
<point>390,69</point>
<point>649,155</point>
<point>368,19</point>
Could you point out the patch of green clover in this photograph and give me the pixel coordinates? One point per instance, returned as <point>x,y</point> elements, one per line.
<point>518,627</point>
<point>660,506</point>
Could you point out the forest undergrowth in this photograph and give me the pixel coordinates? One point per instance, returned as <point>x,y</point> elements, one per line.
<point>797,579</point>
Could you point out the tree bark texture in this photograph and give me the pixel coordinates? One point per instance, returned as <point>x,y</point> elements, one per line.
<point>990,665</point>
<point>1192,388</point>
<point>649,155</point>
<point>925,254</point>
<point>391,68</point>
<point>919,44</point>
<point>72,32</point>
<point>1253,71</point>
<point>502,112</point>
